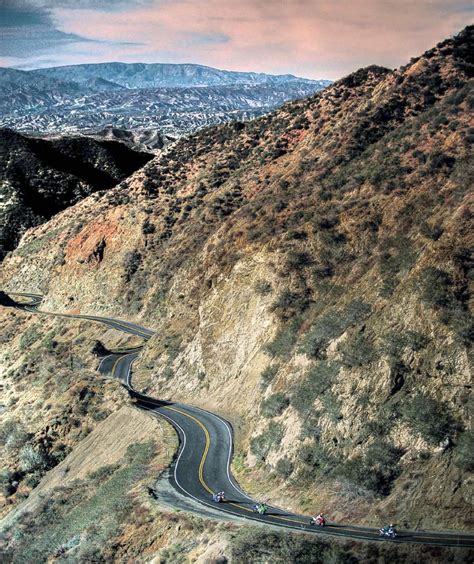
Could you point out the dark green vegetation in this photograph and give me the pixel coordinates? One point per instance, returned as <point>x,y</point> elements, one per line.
<point>40,178</point>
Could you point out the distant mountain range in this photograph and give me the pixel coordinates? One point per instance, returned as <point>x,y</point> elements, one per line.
<point>174,98</point>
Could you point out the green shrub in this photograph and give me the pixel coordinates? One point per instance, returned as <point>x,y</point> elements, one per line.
<point>358,351</point>
<point>375,471</point>
<point>290,304</point>
<point>465,451</point>
<point>268,375</point>
<point>331,406</point>
<point>284,341</point>
<point>310,426</point>
<point>102,472</point>
<point>13,435</point>
<point>131,263</point>
<point>49,343</point>
<point>172,344</point>
<point>316,383</point>
<point>395,342</point>
<point>29,337</point>
<point>274,405</point>
<point>325,329</point>
<point>32,459</point>
<point>6,479</point>
<point>331,325</point>
<point>429,417</point>
<point>316,460</point>
<point>168,373</point>
<point>432,232</point>
<point>297,260</point>
<point>263,288</point>
<point>148,228</point>
<point>436,287</point>
<point>439,160</point>
<point>261,445</point>
<point>284,467</point>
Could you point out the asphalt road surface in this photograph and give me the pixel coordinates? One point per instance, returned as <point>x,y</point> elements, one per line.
<point>202,465</point>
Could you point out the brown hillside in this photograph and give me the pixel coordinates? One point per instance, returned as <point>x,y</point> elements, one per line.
<point>308,273</point>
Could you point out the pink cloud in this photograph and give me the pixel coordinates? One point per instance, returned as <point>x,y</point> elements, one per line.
<point>324,38</point>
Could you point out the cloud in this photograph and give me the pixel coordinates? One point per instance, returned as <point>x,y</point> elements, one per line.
<point>318,38</point>
<point>315,37</point>
<point>28,34</point>
<point>42,5</point>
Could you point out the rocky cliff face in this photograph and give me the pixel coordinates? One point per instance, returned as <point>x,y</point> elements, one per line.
<point>40,177</point>
<point>308,274</point>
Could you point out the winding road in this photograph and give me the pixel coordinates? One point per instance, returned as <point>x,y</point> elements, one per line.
<point>202,465</point>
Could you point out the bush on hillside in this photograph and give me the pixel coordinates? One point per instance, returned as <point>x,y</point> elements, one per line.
<point>316,383</point>
<point>357,351</point>
<point>316,460</point>
<point>465,451</point>
<point>429,417</point>
<point>261,445</point>
<point>263,288</point>
<point>32,459</point>
<point>331,325</point>
<point>285,340</point>
<point>290,304</point>
<point>131,263</point>
<point>375,471</point>
<point>29,337</point>
<point>284,468</point>
<point>436,287</point>
<point>268,375</point>
<point>274,405</point>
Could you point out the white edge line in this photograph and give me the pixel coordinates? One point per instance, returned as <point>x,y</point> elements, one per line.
<point>103,360</point>
<point>201,502</point>
<point>229,456</point>
<point>233,483</point>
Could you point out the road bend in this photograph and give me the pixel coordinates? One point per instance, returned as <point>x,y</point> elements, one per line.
<point>203,463</point>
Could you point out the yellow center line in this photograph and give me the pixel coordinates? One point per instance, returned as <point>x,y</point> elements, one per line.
<point>206,432</point>
<point>203,461</point>
<point>206,448</point>
<point>118,360</point>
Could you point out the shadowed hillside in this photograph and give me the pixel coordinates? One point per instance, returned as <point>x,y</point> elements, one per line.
<point>40,178</point>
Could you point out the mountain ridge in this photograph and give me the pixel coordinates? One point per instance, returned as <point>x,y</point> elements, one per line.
<point>176,99</point>
<point>169,73</point>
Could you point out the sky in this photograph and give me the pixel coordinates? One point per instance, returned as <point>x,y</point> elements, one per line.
<point>309,38</point>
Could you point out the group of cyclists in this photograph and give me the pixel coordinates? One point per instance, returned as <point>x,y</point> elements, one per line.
<point>318,520</point>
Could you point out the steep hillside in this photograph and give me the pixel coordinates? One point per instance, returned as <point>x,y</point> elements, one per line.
<point>308,274</point>
<point>40,178</point>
